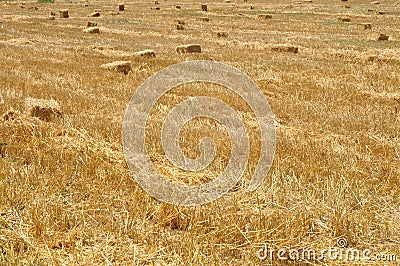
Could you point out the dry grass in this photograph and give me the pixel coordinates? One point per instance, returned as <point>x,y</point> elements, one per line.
<point>67,197</point>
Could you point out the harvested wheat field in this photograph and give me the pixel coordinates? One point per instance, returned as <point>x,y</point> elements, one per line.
<point>329,69</point>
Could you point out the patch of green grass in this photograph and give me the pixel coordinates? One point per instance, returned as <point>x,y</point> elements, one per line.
<point>329,23</point>
<point>45,1</point>
<point>335,23</point>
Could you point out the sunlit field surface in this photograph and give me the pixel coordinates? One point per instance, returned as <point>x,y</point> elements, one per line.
<point>67,196</point>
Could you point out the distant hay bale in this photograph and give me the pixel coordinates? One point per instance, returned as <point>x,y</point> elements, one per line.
<point>343,0</point>
<point>307,1</point>
<point>205,19</point>
<point>264,16</point>
<point>121,7</point>
<point>189,48</point>
<point>85,4</point>
<point>64,13</point>
<point>91,24</point>
<point>156,3</point>
<point>178,7</point>
<point>371,10</point>
<point>119,66</point>
<point>94,14</point>
<point>148,53</point>
<point>365,26</point>
<point>227,1</point>
<point>252,7</point>
<point>380,12</point>
<point>383,37</point>
<point>285,48</point>
<point>344,19</point>
<point>375,3</point>
<point>52,13</point>
<point>204,8</point>
<point>46,110</point>
<point>180,27</point>
<point>157,8</point>
<point>220,34</point>
<point>179,21</point>
<point>91,30</point>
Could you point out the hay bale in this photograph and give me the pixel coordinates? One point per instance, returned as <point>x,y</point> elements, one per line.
<point>220,34</point>
<point>380,12</point>
<point>365,26</point>
<point>64,13</point>
<point>178,7</point>
<point>94,14</point>
<point>91,24</point>
<point>264,16</point>
<point>204,8</point>
<point>371,10</point>
<point>285,49</point>
<point>189,48</point>
<point>85,4</point>
<point>252,7</point>
<point>119,66</point>
<point>227,1</point>
<point>157,8</point>
<point>343,0</point>
<point>205,19</point>
<point>91,30</point>
<point>383,37</point>
<point>46,110</point>
<point>156,3</point>
<point>121,7</point>
<point>179,27</point>
<point>344,19</point>
<point>148,53</point>
<point>52,13</point>
<point>307,1</point>
<point>375,3</point>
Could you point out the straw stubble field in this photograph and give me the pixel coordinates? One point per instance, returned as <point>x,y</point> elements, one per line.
<point>67,197</point>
